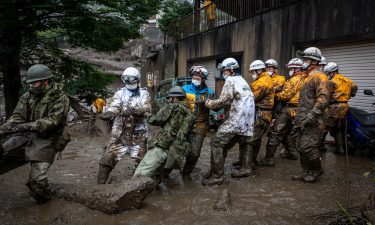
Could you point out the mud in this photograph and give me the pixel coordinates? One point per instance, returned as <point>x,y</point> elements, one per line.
<point>222,202</point>
<point>271,197</point>
<point>110,198</point>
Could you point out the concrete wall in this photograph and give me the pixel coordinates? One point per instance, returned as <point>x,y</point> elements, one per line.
<point>275,34</point>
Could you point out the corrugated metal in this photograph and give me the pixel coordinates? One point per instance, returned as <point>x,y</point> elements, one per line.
<point>356,61</point>
<point>210,66</point>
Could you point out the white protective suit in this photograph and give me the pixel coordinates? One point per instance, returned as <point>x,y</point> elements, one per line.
<point>132,128</point>
<point>236,93</point>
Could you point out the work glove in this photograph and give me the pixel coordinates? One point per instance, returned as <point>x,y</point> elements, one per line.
<point>128,112</point>
<point>107,115</point>
<point>309,120</point>
<point>22,128</point>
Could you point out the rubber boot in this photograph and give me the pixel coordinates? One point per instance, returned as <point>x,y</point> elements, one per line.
<point>213,181</point>
<point>103,174</point>
<point>40,190</point>
<point>315,171</point>
<point>268,159</point>
<point>245,166</point>
<point>304,172</point>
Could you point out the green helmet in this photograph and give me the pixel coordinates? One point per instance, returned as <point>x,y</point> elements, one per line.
<point>38,72</point>
<point>176,91</point>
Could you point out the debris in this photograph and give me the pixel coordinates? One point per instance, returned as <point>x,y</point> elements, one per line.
<point>109,198</point>
<point>222,202</point>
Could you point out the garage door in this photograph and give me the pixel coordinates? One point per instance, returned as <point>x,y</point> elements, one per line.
<point>356,61</point>
<point>210,66</point>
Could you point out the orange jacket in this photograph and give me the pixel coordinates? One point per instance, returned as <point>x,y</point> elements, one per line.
<point>99,104</point>
<point>264,95</point>
<point>278,81</point>
<point>314,94</point>
<point>210,9</point>
<point>291,88</point>
<point>341,88</point>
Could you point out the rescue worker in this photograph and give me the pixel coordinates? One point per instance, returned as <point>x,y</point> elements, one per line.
<point>210,9</point>
<point>99,103</point>
<point>341,88</point>
<point>36,127</point>
<point>283,122</point>
<point>237,128</point>
<point>322,63</point>
<point>196,93</point>
<point>313,100</point>
<point>129,133</point>
<point>264,95</point>
<point>272,71</point>
<point>172,144</point>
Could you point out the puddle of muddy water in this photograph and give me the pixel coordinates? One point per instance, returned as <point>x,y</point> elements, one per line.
<point>269,198</point>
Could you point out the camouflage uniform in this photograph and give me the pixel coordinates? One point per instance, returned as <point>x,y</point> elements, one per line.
<point>171,145</point>
<point>314,99</point>
<point>45,116</point>
<point>341,89</point>
<point>264,95</point>
<point>129,132</point>
<point>283,122</point>
<point>195,97</point>
<point>237,94</point>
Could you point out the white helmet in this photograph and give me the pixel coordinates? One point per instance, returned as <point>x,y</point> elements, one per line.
<point>312,53</point>
<point>257,65</point>
<point>130,76</point>
<point>199,71</point>
<point>294,63</point>
<point>228,63</point>
<point>331,67</point>
<point>271,63</point>
<point>323,61</point>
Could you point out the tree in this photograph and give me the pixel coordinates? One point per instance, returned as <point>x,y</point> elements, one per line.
<point>172,11</point>
<point>31,31</point>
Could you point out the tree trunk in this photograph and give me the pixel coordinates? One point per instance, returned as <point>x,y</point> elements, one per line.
<point>10,68</point>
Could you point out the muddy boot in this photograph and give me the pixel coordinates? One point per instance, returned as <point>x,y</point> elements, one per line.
<point>268,159</point>
<point>315,171</point>
<point>289,156</point>
<point>305,170</point>
<point>236,164</point>
<point>213,181</point>
<point>40,190</point>
<point>245,163</point>
<point>103,174</point>
<point>157,180</point>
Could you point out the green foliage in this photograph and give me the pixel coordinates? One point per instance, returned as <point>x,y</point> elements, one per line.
<point>173,10</point>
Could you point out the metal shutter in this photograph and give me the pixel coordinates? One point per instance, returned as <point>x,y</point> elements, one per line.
<point>357,62</point>
<point>210,66</point>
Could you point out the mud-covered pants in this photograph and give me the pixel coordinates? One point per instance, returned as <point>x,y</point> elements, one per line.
<point>196,141</point>
<point>38,180</point>
<point>308,140</point>
<point>119,144</point>
<point>279,133</point>
<point>220,144</point>
<point>152,163</point>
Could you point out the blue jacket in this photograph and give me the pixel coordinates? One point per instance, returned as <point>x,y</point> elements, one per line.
<point>193,94</point>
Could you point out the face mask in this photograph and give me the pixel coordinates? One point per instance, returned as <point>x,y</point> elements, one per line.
<point>131,86</point>
<point>38,90</point>
<point>305,65</point>
<point>291,72</point>
<point>225,76</point>
<point>270,73</point>
<point>254,76</point>
<point>196,83</point>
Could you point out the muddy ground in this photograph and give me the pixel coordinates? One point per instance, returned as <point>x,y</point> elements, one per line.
<point>268,198</point>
